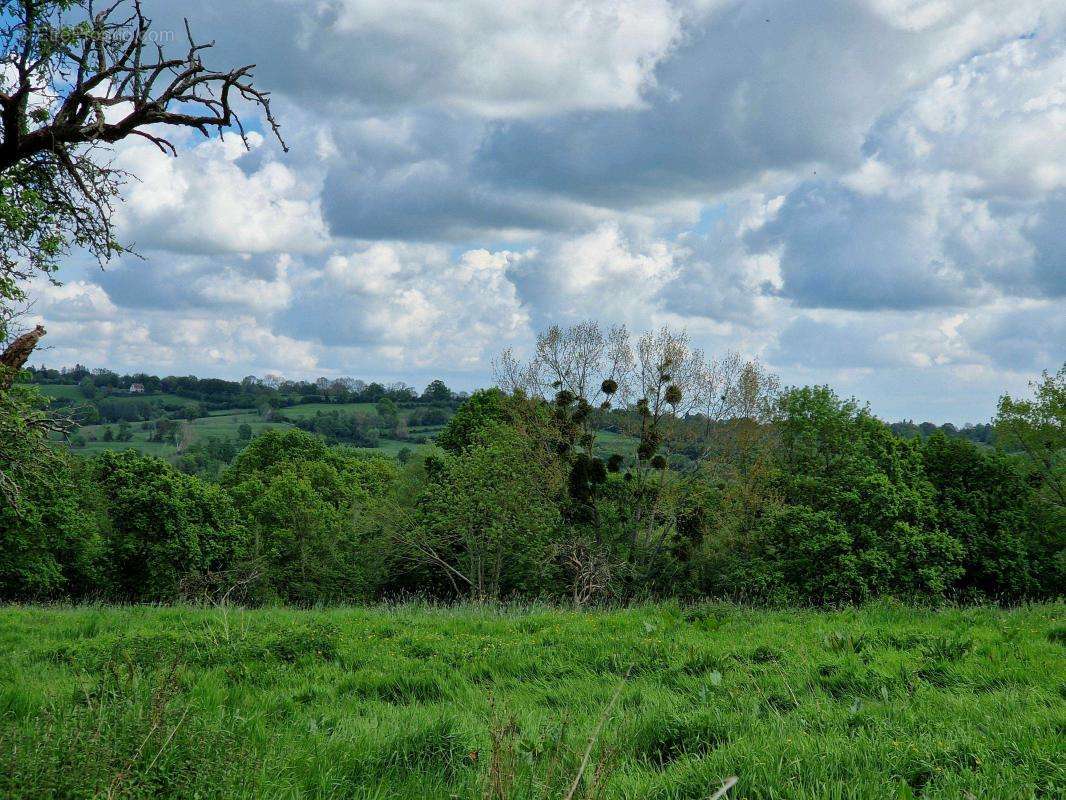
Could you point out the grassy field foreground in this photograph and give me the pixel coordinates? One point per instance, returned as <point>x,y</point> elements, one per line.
<point>416,702</point>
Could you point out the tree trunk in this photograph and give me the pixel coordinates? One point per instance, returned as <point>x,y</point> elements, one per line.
<point>17,354</point>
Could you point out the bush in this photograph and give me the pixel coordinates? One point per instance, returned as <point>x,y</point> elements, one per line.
<point>489,515</point>
<point>164,528</point>
<point>858,515</point>
<point>983,501</point>
<point>484,409</point>
<point>303,503</point>
<point>50,543</point>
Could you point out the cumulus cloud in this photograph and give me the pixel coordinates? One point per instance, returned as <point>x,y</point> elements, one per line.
<point>417,305</point>
<point>204,202</point>
<point>927,244</point>
<point>862,192</point>
<point>756,87</point>
<point>997,116</point>
<point>955,200</point>
<point>254,284</point>
<point>603,273</point>
<point>1025,339</point>
<point>513,59</point>
<point>860,342</point>
<point>86,326</point>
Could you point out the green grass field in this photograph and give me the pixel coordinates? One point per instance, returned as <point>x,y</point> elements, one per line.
<point>61,392</point>
<point>608,443</point>
<point>310,409</point>
<point>226,424</point>
<point>139,442</point>
<point>392,447</point>
<point>476,702</point>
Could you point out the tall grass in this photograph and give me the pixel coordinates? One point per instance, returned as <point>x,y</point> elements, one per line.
<point>414,701</point>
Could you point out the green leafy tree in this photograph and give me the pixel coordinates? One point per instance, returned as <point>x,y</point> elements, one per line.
<point>489,515</point>
<point>87,388</point>
<point>389,415</point>
<point>166,530</point>
<point>857,516</point>
<point>50,542</point>
<point>303,503</point>
<point>1036,428</point>
<point>437,392</point>
<point>984,501</point>
<point>483,410</point>
<point>27,456</point>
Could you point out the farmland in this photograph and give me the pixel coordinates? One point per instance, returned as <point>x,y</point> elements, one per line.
<point>224,424</point>
<point>423,702</point>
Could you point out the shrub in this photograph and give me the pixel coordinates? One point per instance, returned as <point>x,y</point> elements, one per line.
<point>164,528</point>
<point>983,501</point>
<point>50,543</point>
<point>489,514</point>
<point>302,502</point>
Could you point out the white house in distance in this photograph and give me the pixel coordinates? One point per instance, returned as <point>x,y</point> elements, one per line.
<point>137,388</point>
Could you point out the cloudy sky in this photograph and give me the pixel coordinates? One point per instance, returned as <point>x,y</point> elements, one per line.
<point>865,193</point>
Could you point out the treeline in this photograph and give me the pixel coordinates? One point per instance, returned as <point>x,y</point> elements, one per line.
<point>979,434</point>
<point>364,429</point>
<point>107,397</point>
<point>797,496</point>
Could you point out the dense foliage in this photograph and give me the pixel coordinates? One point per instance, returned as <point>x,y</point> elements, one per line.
<point>301,502</point>
<point>99,385</point>
<point>165,532</point>
<point>819,503</point>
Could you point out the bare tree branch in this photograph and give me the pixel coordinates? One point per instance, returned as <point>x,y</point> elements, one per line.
<point>73,82</point>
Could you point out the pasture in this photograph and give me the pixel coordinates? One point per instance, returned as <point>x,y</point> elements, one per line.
<point>412,701</point>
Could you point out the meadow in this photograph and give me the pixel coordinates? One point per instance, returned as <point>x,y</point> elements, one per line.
<point>415,701</point>
<point>224,424</point>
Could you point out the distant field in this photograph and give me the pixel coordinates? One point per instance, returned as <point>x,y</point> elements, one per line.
<point>416,702</point>
<point>222,426</point>
<point>608,443</point>
<point>392,447</point>
<point>139,442</point>
<point>59,392</point>
<point>226,424</point>
<point>310,409</point>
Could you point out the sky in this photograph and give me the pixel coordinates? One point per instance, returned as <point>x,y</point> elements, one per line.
<point>869,194</point>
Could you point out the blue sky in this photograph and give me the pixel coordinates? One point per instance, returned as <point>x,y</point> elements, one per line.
<point>864,193</point>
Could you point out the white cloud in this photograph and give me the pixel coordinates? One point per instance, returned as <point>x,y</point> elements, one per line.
<point>872,178</point>
<point>998,116</point>
<point>417,305</point>
<point>496,59</point>
<point>204,202</point>
<point>231,287</point>
<point>74,301</point>
<point>870,191</point>
<point>524,56</point>
<point>603,273</point>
